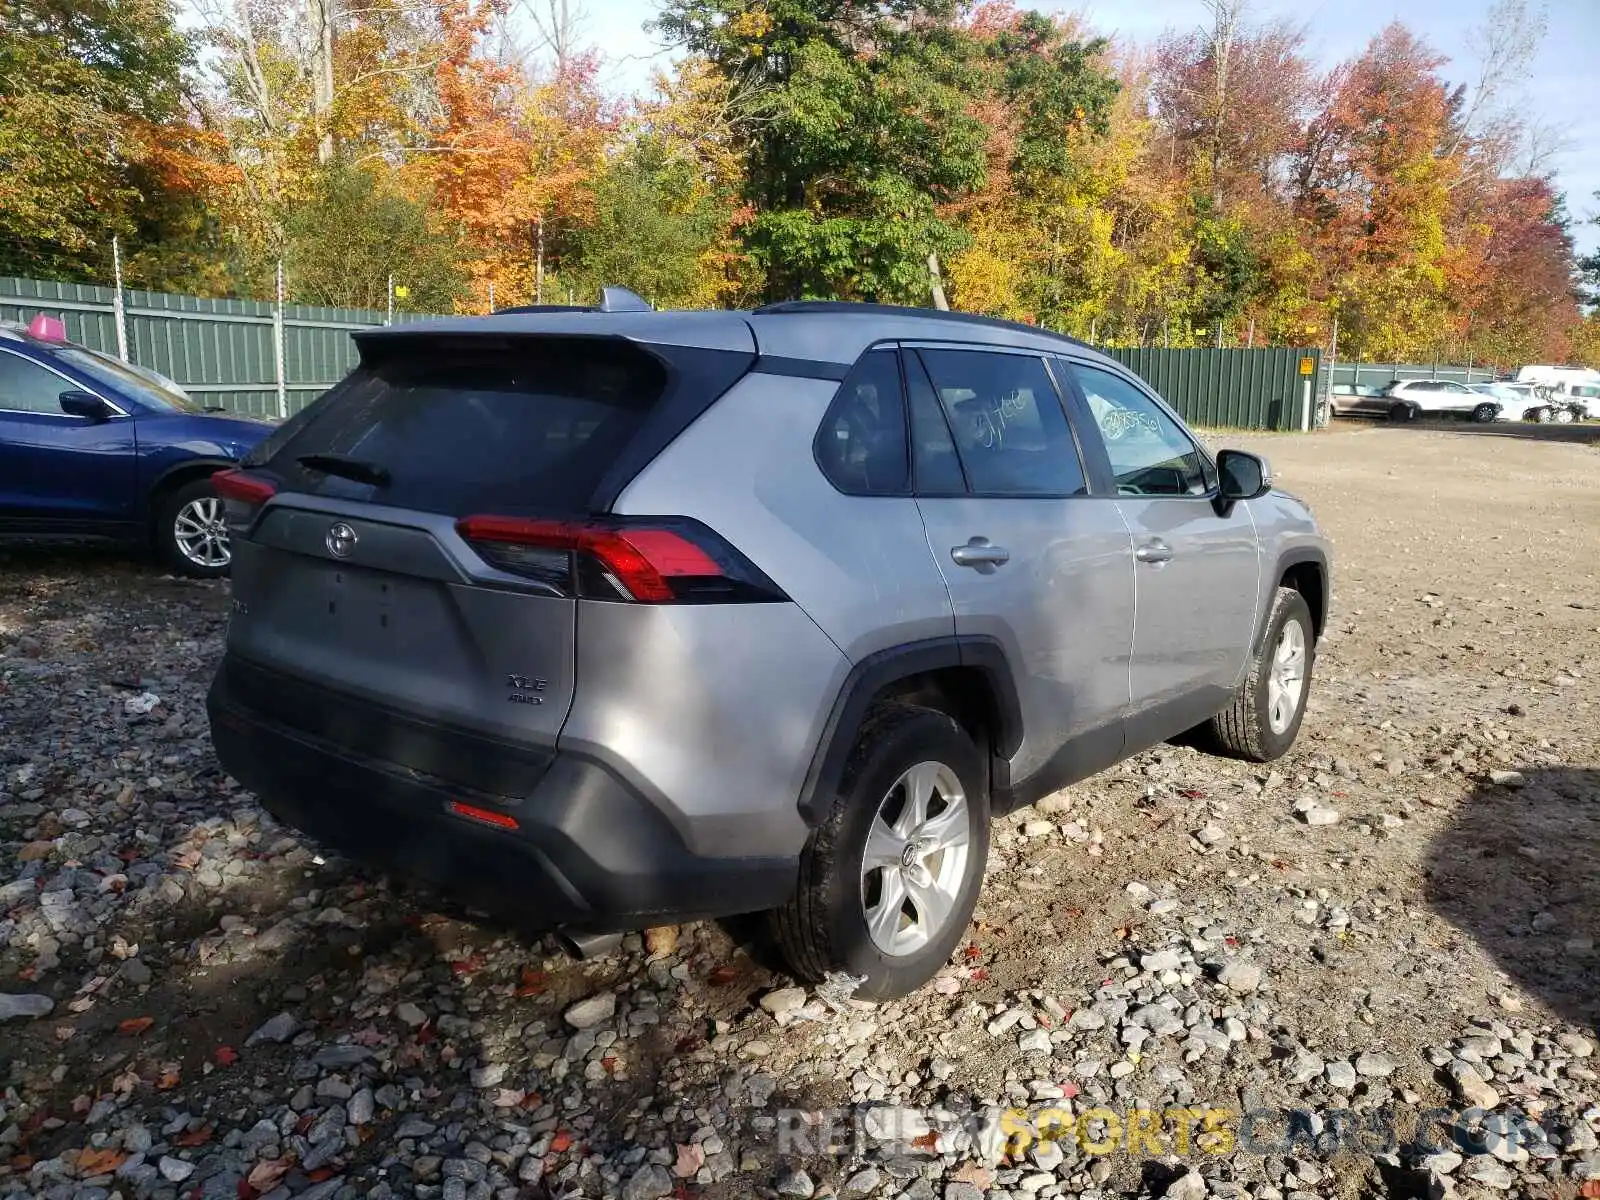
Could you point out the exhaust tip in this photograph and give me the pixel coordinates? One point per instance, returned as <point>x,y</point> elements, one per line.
<point>584,945</point>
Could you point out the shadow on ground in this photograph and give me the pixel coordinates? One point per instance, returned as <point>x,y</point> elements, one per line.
<point>1518,871</point>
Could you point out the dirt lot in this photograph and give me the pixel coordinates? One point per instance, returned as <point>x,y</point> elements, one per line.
<point>229,1015</point>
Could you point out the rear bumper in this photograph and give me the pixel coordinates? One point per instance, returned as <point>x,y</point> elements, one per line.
<point>587,852</point>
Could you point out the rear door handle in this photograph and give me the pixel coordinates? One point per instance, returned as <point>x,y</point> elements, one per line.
<point>980,554</point>
<point>1154,552</point>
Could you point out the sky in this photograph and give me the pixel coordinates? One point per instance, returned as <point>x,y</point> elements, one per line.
<point>1563,90</point>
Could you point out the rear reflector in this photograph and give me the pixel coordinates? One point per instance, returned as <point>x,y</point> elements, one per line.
<point>653,560</point>
<point>483,815</point>
<point>243,487</point>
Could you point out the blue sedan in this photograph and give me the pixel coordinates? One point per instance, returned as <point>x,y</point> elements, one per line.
<point>93,448</point>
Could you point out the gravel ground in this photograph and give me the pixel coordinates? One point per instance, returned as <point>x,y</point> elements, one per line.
<point>1188,976</point>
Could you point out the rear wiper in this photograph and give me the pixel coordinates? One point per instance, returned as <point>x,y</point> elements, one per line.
<point>349,468</point>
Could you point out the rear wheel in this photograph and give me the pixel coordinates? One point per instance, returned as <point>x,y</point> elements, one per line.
<point>1403,412</point>
<point>1264,718</point>
<point>191,535</point>
<point>1543,415</point>
<point>889,880</point>
<point>1485,413</point>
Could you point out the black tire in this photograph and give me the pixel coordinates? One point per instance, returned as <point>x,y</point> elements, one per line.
<point>166,533</point>
<point>1244,729</point>
<point>1543,416</point>
<point>1403,412</point>
<point>824,928</point>
<point>1485,413</point>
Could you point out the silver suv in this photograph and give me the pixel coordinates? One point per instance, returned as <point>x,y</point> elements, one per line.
<point>607,619</point>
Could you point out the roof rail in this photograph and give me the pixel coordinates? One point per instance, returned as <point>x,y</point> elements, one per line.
<point>906,310</point>
<point>543,308</point>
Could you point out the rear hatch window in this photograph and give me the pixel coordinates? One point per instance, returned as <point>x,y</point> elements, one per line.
<point>473,424</point>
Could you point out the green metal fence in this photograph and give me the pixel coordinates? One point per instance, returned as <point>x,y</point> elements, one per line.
<point>225,352</point>
<point>254,357</point>
<point>1380,374</point>
<point>1273,388</point>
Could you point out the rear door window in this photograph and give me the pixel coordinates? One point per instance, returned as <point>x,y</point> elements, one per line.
<point>1009,427</point>
<point>507,425</point>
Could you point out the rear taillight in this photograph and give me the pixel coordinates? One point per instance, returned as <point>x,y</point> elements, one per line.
<point>667,560</point>
<point>242,496</point>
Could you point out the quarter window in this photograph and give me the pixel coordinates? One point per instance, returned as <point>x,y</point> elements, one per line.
<point>1150,453</point>
<point>27,387</point>
<point>1008,424</point>
<point>862,443</point>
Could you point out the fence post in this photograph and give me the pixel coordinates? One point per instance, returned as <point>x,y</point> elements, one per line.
<point>277,348</point>
<point>119,314</point>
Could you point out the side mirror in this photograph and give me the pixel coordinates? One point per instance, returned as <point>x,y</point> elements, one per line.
<point>84,404</point>
<point>1243,476</point>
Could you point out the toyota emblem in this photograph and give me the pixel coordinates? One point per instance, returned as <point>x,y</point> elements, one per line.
<point>341,540</point>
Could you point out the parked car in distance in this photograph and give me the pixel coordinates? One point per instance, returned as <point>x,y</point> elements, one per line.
<point>1350,399</point>
<point>1409,399</point>
<point>93,449</point>
<point>617,618</point>
<point>1517,401</point>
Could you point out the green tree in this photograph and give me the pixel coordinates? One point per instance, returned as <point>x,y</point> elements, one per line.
<point>654,227</point>
<point>353,231</point>
<point>864,131</point>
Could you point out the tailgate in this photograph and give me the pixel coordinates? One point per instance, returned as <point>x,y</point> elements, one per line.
<point>397,622</point>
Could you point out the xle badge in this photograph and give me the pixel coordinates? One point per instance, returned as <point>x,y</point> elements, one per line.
<point>525,689</point>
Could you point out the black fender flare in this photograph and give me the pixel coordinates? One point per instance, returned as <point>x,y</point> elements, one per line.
<point>1294,557</point>
<point>159,484</point>
<point>872,674</point>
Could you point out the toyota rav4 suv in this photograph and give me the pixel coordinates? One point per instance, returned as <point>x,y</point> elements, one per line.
<point>607,619</point>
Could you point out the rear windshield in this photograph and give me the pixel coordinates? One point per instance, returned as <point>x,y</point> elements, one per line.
<point>458,425</point>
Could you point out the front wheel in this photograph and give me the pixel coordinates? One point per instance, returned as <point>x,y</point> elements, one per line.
<point>191,535</point>
<point>1264,718</point>
<point>1563,416</point>
<point>889,880</point>
<point>1543,416</point>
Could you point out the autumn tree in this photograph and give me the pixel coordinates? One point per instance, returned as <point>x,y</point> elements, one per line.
<point>97,139</point>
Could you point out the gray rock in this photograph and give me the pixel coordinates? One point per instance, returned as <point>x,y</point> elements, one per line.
<point>361,1107</point>
<point>26,1005</point>
<point>1471,1086</point>
<point>1035,1041</point>
<point>651,1182</point>
<point>1508,779</point>
<point>1340,1075</point>
<point>1318,815</point>
<point>863,1183</point>
<point>1303,1067</point>
<point>963,1191</point>
<point>1240,977</point>
<point>410,1014</point>
<point>135,972</point>
<point>1377,1064</point>
<point>795,1183</point>
<point>1188,1186</point>
<point>1575,1044</point>
<point>1487,1170</point>
<point>1161,960</point>
<point>174,1170</point>
<point>596,1010</point>
<point>277,1030</point>
<point>784,1002</point>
